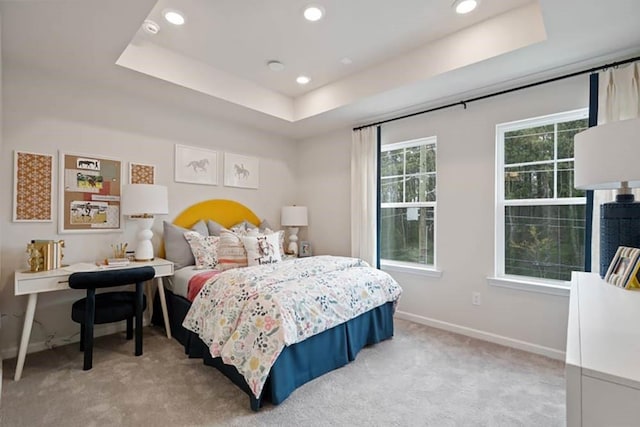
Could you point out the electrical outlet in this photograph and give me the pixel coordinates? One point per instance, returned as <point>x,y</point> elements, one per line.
<point>475,299</point>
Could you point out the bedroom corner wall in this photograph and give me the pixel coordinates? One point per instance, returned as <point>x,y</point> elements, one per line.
<point>465,218</point>
<point>45,112</point>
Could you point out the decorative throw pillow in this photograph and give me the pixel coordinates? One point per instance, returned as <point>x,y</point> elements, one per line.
<point>264,225</point>
<point>280,234</point>
<point>262,249</point>
<point>176,247</point>
<point>214,228</point>
<point>204,248</point>
<point>231,252</point>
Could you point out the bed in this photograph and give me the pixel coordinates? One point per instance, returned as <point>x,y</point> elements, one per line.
<point>317,344</point>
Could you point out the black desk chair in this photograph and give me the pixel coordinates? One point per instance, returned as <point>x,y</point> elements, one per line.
<point>109,306</point>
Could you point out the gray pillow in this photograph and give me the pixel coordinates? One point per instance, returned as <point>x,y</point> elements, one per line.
<point>214,228</point>
<point>264,225</point>
<point>176,247</point>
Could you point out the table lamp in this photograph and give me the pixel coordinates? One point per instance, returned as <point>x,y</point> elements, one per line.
<point>607,157</point>
<point>293,217</point>
<point>140,202</point>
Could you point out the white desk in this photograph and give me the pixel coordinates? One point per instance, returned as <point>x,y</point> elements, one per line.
<point>603,344</point>
<point>27,283</point>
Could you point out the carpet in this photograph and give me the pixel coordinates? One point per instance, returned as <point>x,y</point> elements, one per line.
<point>421,377</point>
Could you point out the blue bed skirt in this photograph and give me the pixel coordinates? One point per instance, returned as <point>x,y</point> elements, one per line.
<point>298,363</point>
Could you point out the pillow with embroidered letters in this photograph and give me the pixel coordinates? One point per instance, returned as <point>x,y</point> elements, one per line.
<point>262,249</point>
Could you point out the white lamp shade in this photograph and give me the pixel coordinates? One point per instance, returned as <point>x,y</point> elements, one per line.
<point>144,199</point>
<point>294,216</point>
<point>607,155</point>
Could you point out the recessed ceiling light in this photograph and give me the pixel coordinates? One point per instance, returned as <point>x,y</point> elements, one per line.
<point>275,65</point>
<point>465,6</point>
<point>173,16</point>
<point>346,61</point>
<point>150,27</point>
<point>303,80</point>
<point>313,12</point>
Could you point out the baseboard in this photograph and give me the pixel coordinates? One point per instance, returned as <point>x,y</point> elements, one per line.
<point>482,335</point>
<point>34,347</point>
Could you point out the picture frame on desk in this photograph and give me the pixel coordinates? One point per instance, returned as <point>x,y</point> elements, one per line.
<point>624,267</point>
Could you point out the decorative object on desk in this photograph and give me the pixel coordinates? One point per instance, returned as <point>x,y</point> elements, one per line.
<point>623,270</point>
<point>32,187</point>
<point>305,249</point>
<point>140,173</point>
<point>241,171</point>
<point>45,255</point>
<point>606,157</point>
<point>89,194</point>
<point>117,262</point>
<point>196,165</point>
<point>119,250</point>
<point>141,202</point>
<point>293,217</point>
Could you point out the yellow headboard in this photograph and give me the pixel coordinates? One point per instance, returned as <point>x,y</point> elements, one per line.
<point>227,213</point>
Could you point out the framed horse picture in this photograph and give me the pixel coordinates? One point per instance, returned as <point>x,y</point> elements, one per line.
<point>196,165</point>
<point>241,171</point>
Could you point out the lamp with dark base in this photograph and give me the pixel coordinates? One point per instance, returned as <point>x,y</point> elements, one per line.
<point>606,157</point>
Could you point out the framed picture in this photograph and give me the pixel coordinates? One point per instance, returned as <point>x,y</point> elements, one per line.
<point>241,171</point>
<point>32,187</point>
<point>196,165</point>
<point>90,189</point>
<point>623,270</point>
<point>139,173</point>
<point>305,249</point>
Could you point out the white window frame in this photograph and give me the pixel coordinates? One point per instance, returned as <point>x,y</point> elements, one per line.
<point>413,267</point>
<point>551,286</point>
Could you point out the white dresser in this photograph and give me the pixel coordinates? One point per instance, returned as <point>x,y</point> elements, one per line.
<point>603,354</point>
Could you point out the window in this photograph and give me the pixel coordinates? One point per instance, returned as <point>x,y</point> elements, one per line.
<point>408,202</point>
<point>540,215</point>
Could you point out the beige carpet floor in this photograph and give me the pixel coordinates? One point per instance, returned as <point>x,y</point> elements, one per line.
<point>422,377</point>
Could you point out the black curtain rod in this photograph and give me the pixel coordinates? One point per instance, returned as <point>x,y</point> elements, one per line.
<point>502,92</point>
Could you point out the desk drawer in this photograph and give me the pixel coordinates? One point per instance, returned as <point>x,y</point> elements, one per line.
<point>42,284</point>
<point>164,270</point>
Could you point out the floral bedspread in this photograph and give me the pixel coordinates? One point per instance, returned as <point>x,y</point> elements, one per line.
<point>248,315</point>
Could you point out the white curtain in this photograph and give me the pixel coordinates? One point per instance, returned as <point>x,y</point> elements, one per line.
<point>364,169</point>
<point>618,99</point>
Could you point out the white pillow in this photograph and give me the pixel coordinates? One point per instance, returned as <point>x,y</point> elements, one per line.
<point>204,248</point>
<point>263,249</point>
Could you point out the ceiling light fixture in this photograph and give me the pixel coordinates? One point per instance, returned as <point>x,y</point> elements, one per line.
<point>150,27</point>
<point>275,65</point>
<point>313,12</point>
<point>465,6</point>
<point>303,80</point>
<point>173,16</point>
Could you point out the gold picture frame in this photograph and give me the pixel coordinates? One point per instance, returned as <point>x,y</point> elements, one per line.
<point>141,173</point>
<point>32,187</point>
<point>623,270</point>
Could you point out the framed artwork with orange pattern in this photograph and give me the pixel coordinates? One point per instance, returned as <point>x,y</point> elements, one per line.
<point>140,173</point>
<point>32,187</point>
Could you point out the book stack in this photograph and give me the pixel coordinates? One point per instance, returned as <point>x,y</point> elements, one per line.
<point>117,262</point>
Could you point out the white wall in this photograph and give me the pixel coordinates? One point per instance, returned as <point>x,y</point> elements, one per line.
<point>465,217</point>
<point>44,113</point>
<point>324,182</point>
